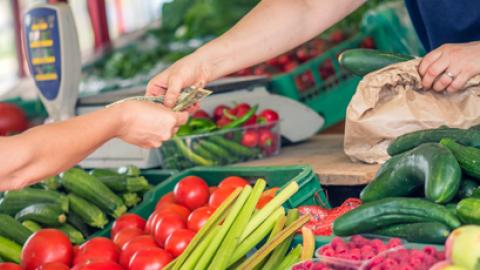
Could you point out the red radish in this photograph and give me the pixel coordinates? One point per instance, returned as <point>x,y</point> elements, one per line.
<point>125,235</point>
<point>223,121</point>
<point>268,116</point>
<point>128,220</point>
<point>201,114</point>
<point>250,138</point>
<point>219,111</point>
<point>337,36</point>
<point>134,245</point>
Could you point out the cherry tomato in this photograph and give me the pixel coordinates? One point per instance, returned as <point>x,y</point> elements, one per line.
<point>127,221</point>
<point>178,241</point>
<point>12,119</point>
<point>199,217</point>
<point>268,116</point>
<point>150,259</point>
<point>175,208</point>
<point>201,114</point>
<point>98,266</point>
<point>219,111</point>
<point>125,235</point>
<point>44,246</point>
<point>263,201</point>
<point>166,225</point>
<point>134,245</point>
<point>192,192</point>
<point>250,138</point>
<point>9,266</point>
<point>98,249</point>
<point>219,196</point>
<point>52,266</point>
<point>167,198</point>
<point>233,182</point>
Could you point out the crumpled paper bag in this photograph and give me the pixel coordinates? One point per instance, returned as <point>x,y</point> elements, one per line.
<point>391,102</point>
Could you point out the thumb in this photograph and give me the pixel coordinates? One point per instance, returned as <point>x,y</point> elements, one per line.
<point>158,85</point>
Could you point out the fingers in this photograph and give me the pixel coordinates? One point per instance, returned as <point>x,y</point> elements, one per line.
<point>442,82</point>
<point>174,88</point>
<point>158,85</point>
<point>434,71</point>
<point>428,60</point>
<point>459,82</point>
<point>181,118</point>
<point>195,107</point>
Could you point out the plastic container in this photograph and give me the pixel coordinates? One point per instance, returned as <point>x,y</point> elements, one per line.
<point>221,147</point>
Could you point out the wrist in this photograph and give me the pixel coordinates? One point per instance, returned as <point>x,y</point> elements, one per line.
<point>121,116</point>
<point>212,61</point>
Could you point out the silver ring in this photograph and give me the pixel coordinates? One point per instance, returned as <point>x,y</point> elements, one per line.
<point>449,74</point>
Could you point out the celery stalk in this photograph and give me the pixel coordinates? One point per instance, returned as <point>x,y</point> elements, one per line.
<point>308,244</point>
<point>199,250</point>
<point>230,241</point>
<point>292,258</point>
<point>276,229</point>
<point>275,203</point>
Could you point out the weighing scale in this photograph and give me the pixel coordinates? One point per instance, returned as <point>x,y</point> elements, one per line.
<point>53,51</point>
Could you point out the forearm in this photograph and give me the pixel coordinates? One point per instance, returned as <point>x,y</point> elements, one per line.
<point>271,28</point>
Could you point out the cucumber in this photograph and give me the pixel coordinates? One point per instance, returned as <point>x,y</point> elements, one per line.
<point>467,188</point>
<point>12,229</point>
<point>48,214</point>
<point>431,165</point>
<point>51,183</point>
<point>77,222</point>
<point>423,232</point>
<point>378,214</point>
<point>88,212</point>
<point>32,226</point>
<point>129,170</point>
<point>363,61</point>
<point>131,199</point>
<point>452,207</point>
<point>468,137</point>
<point>468,210</point>
<point>78,182</point>
<point>103,172</point>
<point>15,200</point>
<point>75,236</point>
<point>467,157</point>
<point>9,250</point>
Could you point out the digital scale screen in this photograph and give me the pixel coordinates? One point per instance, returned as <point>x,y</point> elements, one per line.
<point>43,47</point>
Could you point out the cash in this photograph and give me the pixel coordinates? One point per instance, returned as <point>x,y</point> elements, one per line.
<point>186,99</point>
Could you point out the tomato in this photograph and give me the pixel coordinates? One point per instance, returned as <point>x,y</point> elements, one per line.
<point>219,111</point>
<point>150,259</point>
<point>192,192</point>
<point>212,189</point>
<point>127,221</point>
<point>53,266</point>
<point>178,241</point>
<point>98,266</point>
<point>270,192</point>
<point>134,245</point>
<point>75,250</point>
<point>219,196</point>
<point>166,225</point>
<point>233,182</point>
<point>9,266</point>
<point>199,217</point>
<point>174,208</point>
<point>201,114</point>
<point>99,249</point>
<point>167,198</point>
<point>12,119</point>
<point>263,201</point>
<point>44,246</point>
<point>250,138</point>
<point>268,116</point>
<point>125,235</point>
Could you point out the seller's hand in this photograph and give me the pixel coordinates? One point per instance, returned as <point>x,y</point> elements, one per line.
<point>148,124</point>
<point>191,70</point>
<point>450,66</point>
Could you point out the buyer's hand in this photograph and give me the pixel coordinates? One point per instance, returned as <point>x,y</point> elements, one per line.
<point>450,66</point>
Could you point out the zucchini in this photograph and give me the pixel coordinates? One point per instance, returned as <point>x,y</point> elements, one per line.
<point>12,229</point>
<point>48,214</point>
<point>129,170</point>
<point>431,165</point>
<point>51,183</point>
<point>452,207</point>
<point>88,212</point>
<point>122,183</point>
<point>372,216</point>
<point>405,142</point>
<point>422,232</point>
<point>78,182</point>
<point>77,222</point>
<point>32,226</point>
<point>363,61</point>
<point>16,200</point>
<point>467,157</point>
<point>9,250</point>
<point>75,236</point>
<point>103,172</point>
<point>131,199</point>
<point>467,188</point>
<point>468,210</point>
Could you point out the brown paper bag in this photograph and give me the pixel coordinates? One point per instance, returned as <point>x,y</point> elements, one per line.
<point>390,102</point>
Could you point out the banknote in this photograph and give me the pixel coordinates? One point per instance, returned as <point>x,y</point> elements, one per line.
<point>186,99</point>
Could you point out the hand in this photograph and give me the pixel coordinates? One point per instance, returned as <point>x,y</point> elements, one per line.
<point>450,66</point>
<point>148,124</point>
<point>188,71</point>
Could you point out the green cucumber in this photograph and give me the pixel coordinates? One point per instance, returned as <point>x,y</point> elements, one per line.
<point>431,165</point>
<point>52,183</point>
<point>468,137</point>
<point>235,148</point>
<point>9,250</point>
<point>423,232</point>
<point>467,157</point>
<point>468,210</point>
<point>77,222</point>
<point>378,214</point>
<point>87,186</point>
<point>467,188</point>
<point>48,214</point>
<point>452,207</point>
<point>75,236</point>
<point>31,225</point>
<point>88,212</point>
<point>363,61</point>
<point>15,200</point>
<point>129,170</point>
<point>12,229</point>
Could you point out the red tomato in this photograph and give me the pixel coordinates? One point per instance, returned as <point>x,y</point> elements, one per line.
<point>219,111</point>
<point>250,138</point>
<point>167,198</point>
<point>174,208</point>
<point>12,119</point>
<point>192,192</point>
<point>125,235</point>
<point>53,266</point>
<point>98,266</point>
<point>166,225</point>
<point>127,221</point>
<point>269,116</point>
<point>150,259</point>
<point>270,192</point>
<point>75,250</point>
<point>134,245</point>
<point>219,196</point>
<point>201,114</point>
<point>178,241</point>
<point>263,201</point>
<point>9,266</point>
<point>212,189</point>
<point>233,182</point>
<point>199,217</point>
<point>44,246</point>
<point>98,249</point>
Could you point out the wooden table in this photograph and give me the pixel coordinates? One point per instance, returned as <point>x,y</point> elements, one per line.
<point>325,154</point>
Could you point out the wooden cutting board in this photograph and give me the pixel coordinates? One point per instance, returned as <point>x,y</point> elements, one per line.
<point>325,154</point>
